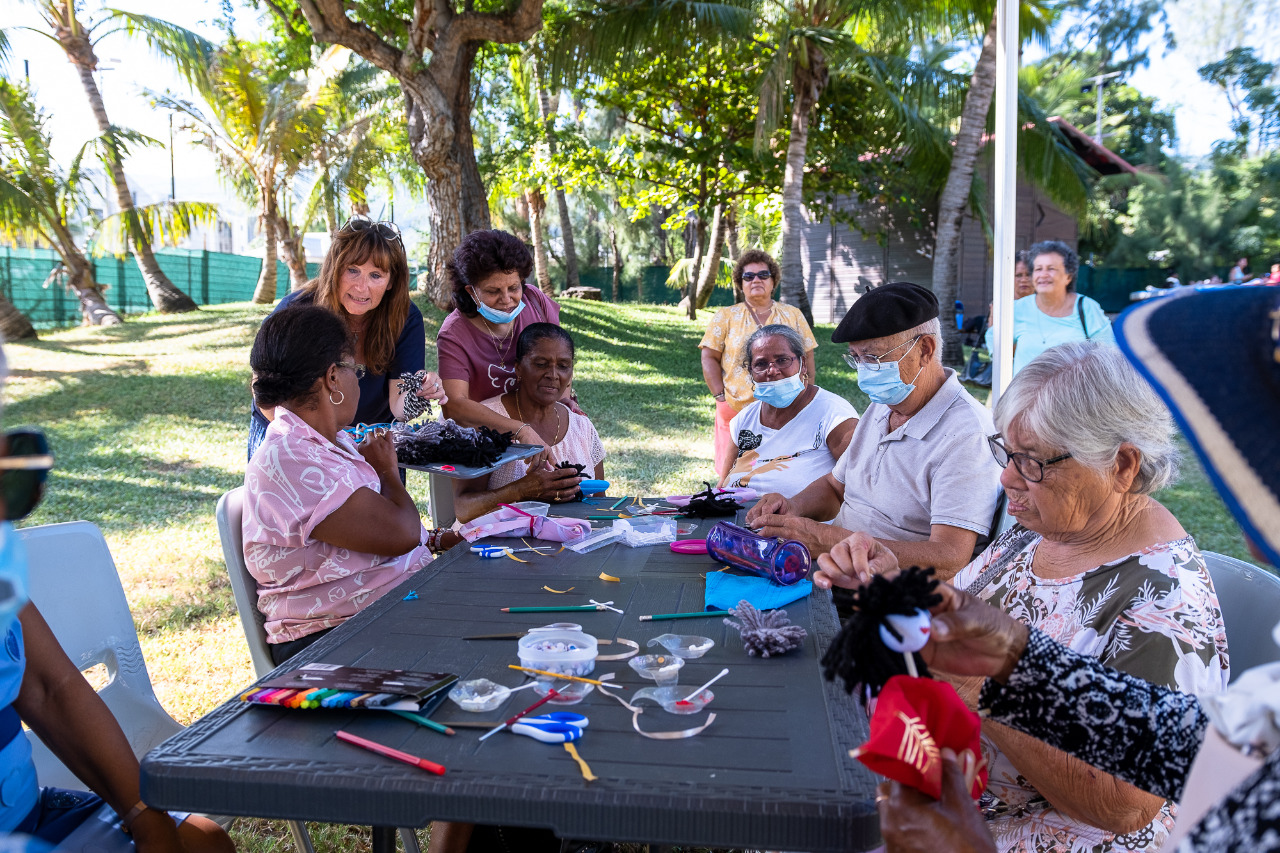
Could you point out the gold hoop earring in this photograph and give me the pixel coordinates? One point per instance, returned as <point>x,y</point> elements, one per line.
<point>341,397</point>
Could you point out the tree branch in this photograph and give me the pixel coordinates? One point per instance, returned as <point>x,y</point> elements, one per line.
<point>510,27</point>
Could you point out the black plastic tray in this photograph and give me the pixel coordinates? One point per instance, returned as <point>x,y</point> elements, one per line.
<point>469,472</point>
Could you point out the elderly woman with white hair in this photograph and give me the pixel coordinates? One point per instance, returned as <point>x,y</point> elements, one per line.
<point>1099,566</point>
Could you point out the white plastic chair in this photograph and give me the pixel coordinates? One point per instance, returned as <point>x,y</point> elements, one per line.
<point>1250,602</point>
<point>74,582</point>
<point>229,515</point>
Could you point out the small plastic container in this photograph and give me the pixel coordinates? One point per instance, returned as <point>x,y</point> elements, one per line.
<point>673,699</point>
<point>478,695</point>
<point>784,561</point>
<point>558,649</point>
<point>684,646</point>
<point>596,539</point>
<point>684,528</point>
<point>533,508</point>
<point>663,669</point>
<point>644,530</point>
<point>568,692</point>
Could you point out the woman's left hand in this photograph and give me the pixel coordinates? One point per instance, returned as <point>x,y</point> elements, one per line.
<point>432,388</point>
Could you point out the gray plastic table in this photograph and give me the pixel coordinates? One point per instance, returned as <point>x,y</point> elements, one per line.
<point>772,771</point>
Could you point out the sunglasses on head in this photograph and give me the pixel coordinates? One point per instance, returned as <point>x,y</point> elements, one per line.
<point>386,229</point>
<point>23,471</point>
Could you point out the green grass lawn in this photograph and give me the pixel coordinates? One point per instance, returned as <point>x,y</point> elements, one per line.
<point>148,422</point>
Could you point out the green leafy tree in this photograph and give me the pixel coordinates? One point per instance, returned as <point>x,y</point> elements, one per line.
<point>1255,103</point>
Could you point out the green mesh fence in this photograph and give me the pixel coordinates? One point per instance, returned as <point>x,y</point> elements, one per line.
<point>210,278</point>
<point>1111,287</point>
<point>650,286</point>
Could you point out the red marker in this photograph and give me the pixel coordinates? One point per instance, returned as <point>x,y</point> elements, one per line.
<point>429,766</point>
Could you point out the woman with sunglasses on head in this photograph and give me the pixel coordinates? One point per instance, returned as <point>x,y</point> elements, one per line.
<point>365,280</point>
<point>41,687</point>
<point>724,345</point>
<point>1097,564</point>
<point>477,342</point>
<point>328,526</point>
<point>794,431</point>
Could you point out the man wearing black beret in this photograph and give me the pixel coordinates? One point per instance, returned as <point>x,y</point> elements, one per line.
<point>917,477</point>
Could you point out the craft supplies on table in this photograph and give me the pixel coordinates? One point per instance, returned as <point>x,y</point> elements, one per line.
<point>390,752</point>
<point>593,487</point>
<point>493,552</point>
<point>532,507</point>
<point>662,617</point>
<point>594,540</point>
<point>724,591</point>
<point>564,651</point>
<point>684,645</point>
<point>646,530</point>
<point>557,727</point>
<point>673,700</point>
<point>551,694</point>
<point>480,694</point>
<point>317,685</point>
<point>783,561</point>
<point>689,546</point>
<point>557,608</point>
<point>661,669</point>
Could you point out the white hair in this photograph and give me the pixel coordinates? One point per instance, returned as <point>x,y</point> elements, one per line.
<point>1086,399</point>
<point>933,328</point>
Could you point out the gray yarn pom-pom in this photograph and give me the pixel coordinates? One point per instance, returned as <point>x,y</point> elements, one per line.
<point>765,634</point>
<point>414,406</point>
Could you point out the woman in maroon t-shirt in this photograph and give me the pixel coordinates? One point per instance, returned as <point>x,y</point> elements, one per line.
<point>477,341</point>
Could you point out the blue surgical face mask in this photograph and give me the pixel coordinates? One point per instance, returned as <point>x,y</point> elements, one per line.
<point>781,393</point>
<point>497,316</point>
<point>885,385</point>
<point>13,575</point>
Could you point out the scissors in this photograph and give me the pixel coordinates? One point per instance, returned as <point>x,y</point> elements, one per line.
<point>560,727</point>
<point>362,431</point>
<point>492,552</point>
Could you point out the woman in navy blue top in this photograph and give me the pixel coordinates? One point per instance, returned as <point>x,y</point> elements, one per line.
<point>365,280</point>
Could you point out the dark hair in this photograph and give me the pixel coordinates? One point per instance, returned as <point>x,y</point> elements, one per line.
<point>535,332</point>
<point>293,349</point>
<point>756,256</point>
<point>1070,260</point>
<point>1023,257</point>
<point>480,255</point>
<point>351,247</point>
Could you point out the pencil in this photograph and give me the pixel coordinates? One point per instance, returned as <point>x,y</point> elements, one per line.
<point>561,608</point>
<point>423,721</point>
<point>620,502</point>
<point>551,694</point>
<point>659,617</point>
<point>372,746</point>
<point>561,675</point>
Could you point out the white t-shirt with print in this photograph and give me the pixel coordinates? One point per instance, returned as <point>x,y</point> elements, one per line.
<point>788,459</point>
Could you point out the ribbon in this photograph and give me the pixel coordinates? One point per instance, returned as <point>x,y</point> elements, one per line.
<point>582,765</point>
<point>635,649</point>
<point>680,735</point>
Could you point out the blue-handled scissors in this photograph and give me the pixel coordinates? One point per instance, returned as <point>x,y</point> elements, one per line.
<point>491,552</point>
<point>560,727</point>
<point>362,431</point>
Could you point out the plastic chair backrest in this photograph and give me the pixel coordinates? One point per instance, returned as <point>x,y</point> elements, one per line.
<point>230,513</point>
<point>440,496</point>
<point>1250,602</point>
<point>74,582</point>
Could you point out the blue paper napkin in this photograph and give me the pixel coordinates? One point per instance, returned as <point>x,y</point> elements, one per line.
<point>725,590</point>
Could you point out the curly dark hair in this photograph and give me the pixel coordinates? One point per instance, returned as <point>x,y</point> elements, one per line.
<point>293,349</point>
<point>535,332</point>
<point>756,256</point>
<point>480,255</point>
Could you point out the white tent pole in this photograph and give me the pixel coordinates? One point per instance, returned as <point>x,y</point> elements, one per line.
<point>1006,197</point>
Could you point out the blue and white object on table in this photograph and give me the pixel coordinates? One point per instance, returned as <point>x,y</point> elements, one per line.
<point>560,727</point>
<point>593,487</point>
<point>492,552</point>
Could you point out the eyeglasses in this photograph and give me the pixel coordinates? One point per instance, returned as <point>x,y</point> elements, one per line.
<point>358,368</point>
<point>23,472</point>
<point>1031,468</point>
<point>360,222</point>
<point>761,366</point>
<point>874,362</point>
<point>763,275</point>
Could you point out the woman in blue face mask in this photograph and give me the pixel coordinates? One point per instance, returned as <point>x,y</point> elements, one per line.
<point>477,342</point>
<point>794,431</point>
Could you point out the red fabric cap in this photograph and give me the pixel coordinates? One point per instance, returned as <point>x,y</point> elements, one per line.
<point>914,719</point>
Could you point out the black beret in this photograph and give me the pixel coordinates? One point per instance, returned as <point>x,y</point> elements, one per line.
<point>886,310</point>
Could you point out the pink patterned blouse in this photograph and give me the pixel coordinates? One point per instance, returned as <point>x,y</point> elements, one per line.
<point>293,483</point>
<point>581,445</point>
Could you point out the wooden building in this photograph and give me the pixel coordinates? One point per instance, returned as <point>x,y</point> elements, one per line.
<point>895,243</point>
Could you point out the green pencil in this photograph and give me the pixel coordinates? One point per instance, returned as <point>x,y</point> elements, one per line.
<point>423,721</point>
<point>659,617</point>
<point>563,607</point>
<point>620,502</point>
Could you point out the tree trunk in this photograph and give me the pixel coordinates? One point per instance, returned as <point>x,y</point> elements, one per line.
<point>265,292</point>
<point>164,296</point>
<point>690,303</point>
<point>330,203</point>
<point>955,194</point>
<point>711,265</point>
<point>538,206</point>
<point>78,273</point>
<point>809,84</point>
<point>548,113</point>
<point>617,263</point>
<point>731,231</point>
<point>294,252</point>
<point>14,325</point>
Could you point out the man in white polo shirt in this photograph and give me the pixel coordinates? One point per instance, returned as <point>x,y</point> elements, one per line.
<point>917,475</point>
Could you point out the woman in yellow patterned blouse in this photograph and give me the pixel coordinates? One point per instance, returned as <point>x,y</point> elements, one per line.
<point>724,344</point>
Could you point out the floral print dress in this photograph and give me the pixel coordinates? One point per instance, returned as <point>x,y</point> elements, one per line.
<point>1153,614</point>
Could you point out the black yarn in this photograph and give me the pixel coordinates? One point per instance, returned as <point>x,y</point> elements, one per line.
<point>858,655</point>
<point>414,406</point>
<point>579,469</point>
<point>445,441</point>
<point>707,504</point>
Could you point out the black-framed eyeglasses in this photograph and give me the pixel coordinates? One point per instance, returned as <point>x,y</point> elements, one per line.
<point>761,366</point>
<point>360,222</point>
<point>875,362</point>
<point>763,275</point>
<point>358,368</point>
<point>23,471</point>
<point>1031,468</point>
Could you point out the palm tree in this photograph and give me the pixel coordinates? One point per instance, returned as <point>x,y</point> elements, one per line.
<point>259,130</point>
<point>38,201</point>
<point>78,42</point>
